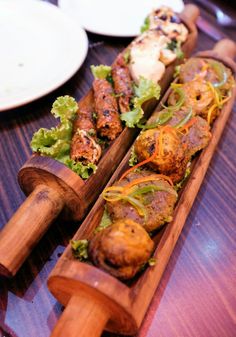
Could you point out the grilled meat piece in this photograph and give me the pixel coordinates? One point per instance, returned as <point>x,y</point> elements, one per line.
<point>121,249</point>
<point>168,22</point>
<point>198,95</point>
<point>84,147</point>
<point>194,133</point>
<point>145,56</point>
<point>206,85</point>
<point>165,20</point>
<point>122,83</point>
<point>108,119</point>
<point>209,70</point>
<point>171,158</point>
<point>84,118</point>
<point>197,137</point>
<point>164,117</point>
<point>159,203</point>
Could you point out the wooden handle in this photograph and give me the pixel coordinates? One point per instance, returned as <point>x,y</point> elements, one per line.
<point>225,48</point>
<point>191,12</point>
<point>27,226</point>
<point>82,317</point>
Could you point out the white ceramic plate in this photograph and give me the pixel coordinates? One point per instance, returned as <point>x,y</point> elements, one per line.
<point>114,17</point>
<point>41,48</point>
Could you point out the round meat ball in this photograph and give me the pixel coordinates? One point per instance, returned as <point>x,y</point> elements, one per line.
<point>208,70</point>
<point>121,249</point>
<point>197,95</point>
<point>172,161</point>
<point>159,204</point>
<point>197,67</point>
<point>198,133</point>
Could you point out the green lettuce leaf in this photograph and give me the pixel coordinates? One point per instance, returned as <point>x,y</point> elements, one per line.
<point>101,71</point>
<point>65,108</point>
<point>177,71</point>
<point>55,142</point>
<point>180,184</point>
<point>132,117</point>
<point>152,261</point>
<point>105,221</point>
<point>84,171</point>
<point>133,160</point>
<point>175,46</point>
<point>145,25</point>
<point>127,56</point>
<point>80,249</point>
<point>145,91</point>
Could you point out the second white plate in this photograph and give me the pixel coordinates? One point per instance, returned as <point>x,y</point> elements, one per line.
<point>41,49</point>
<point>114,18</point>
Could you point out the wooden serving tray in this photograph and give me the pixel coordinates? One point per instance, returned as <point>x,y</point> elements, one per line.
<point>53,188</point>
<point>95,300</point>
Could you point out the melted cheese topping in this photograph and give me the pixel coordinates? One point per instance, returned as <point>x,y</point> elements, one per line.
<point>167,56</point>
<point>169,23</point>
<point>177,30</point>
<point>149,52</point>
<point>145,54</point>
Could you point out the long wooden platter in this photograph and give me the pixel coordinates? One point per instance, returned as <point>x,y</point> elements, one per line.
<point>95,300</point>
<point>54,189</point>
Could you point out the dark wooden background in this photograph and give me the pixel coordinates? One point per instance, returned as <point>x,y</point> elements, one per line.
<point>197,294</point>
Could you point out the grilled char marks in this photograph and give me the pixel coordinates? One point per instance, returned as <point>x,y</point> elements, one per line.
<point>198,96</point>
<point>122,83</point>
<point>84,147</point>
<point>171,161</point>
<point>198,136</point>
<point>159,204</point>
<point>195,138</point>
<point>108,120</point>
<point>198,68</point>
<point>84,119</point>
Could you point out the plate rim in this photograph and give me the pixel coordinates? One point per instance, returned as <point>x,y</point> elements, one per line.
<point>63,7</point>
<point>28,98</point>
<point>99,32</point>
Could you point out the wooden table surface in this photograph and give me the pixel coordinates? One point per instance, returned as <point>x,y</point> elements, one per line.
<point>197,294</point>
